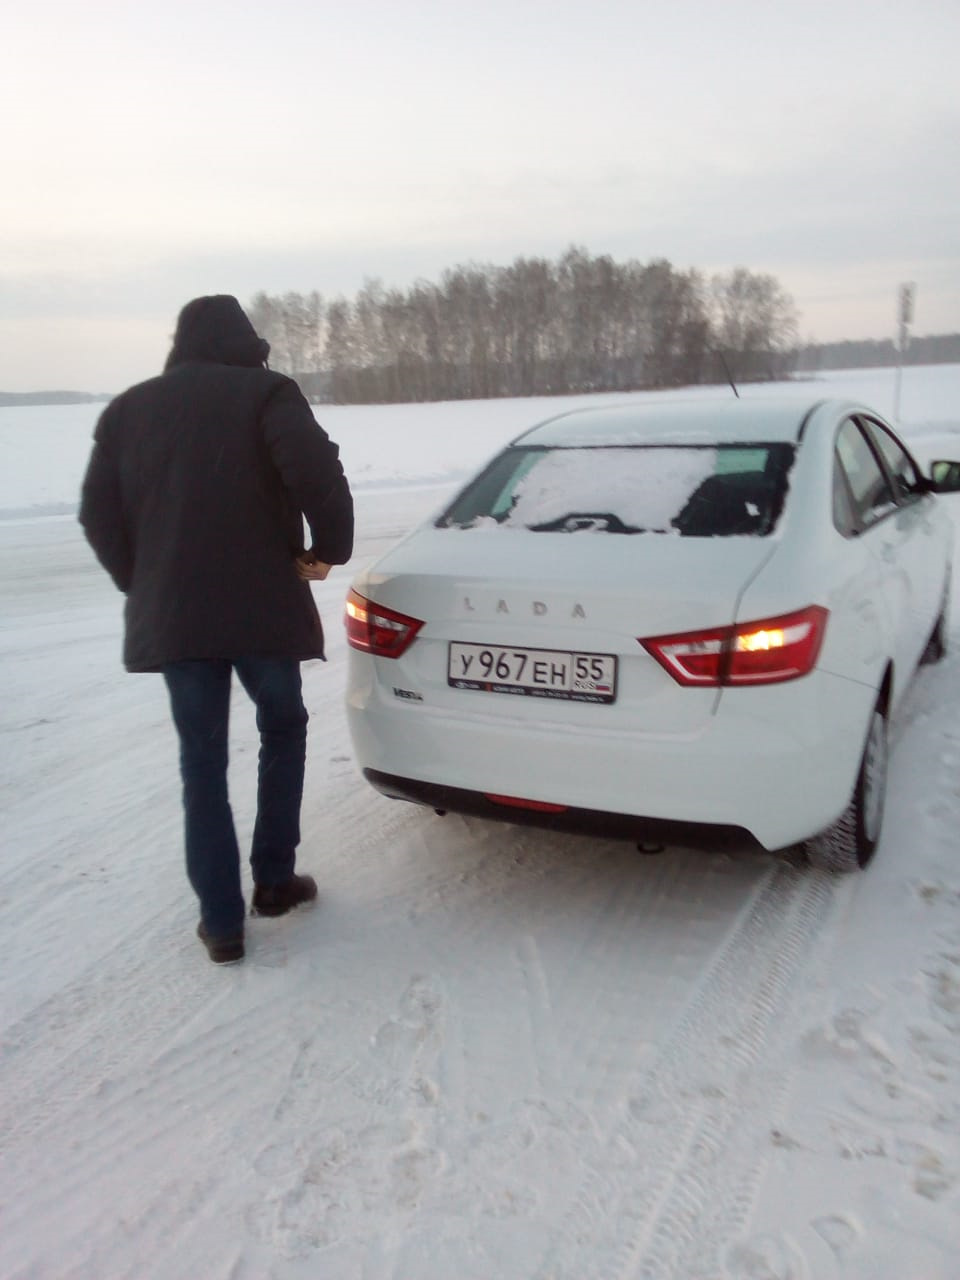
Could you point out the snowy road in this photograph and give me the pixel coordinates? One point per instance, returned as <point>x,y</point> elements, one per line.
<point>489,1053</point>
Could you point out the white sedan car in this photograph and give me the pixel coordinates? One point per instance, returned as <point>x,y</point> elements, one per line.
<point>675,622</point>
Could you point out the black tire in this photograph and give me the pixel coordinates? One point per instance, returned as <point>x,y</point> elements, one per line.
<point>850,842</point>
<point>937,644</point>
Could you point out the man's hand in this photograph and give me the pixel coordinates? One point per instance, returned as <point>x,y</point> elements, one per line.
<point>310,569</point>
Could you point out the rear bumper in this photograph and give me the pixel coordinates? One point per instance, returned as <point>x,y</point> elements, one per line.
<point>596,822</point>
<point>777,762</point>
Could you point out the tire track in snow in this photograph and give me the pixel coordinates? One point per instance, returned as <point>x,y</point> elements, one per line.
<point>129,1014</point>
<point>151,1047</point>
<point>662,1166</point>
<point>130,1134</point>
<point>718,1182</point>
<point>132,1002</point>
<point>745,1160</point>
<point>154,987</point>
<point>624,968</point>
<point>595,1067</point>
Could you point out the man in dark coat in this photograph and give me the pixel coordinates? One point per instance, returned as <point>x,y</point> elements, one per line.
<point>194,501</point>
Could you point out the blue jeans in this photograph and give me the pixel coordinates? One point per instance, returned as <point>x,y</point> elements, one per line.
<point>200,702</point>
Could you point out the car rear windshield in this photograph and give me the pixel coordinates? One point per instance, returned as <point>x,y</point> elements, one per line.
<point>695,491</point>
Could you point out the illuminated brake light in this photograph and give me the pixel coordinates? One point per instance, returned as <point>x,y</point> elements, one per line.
<point>373,628</point>
<point>758,640</point>
<point>767,651</point>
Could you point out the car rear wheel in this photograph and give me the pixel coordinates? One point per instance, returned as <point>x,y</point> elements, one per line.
<point>852,840</point>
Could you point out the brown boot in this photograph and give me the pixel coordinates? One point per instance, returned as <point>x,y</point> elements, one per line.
<point>278,899</point>
<point>222,950</point>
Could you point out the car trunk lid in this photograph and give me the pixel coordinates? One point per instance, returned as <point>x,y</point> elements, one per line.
<point>584,593</point>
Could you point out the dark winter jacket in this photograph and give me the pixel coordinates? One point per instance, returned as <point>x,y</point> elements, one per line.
<point>195,496</point>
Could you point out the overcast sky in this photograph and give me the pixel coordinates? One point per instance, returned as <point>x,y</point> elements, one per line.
<point>155,151</point>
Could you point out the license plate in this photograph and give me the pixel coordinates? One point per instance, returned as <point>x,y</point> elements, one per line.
<point>535,673</point>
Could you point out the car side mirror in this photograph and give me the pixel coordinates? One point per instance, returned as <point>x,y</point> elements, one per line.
<point>945,476</point>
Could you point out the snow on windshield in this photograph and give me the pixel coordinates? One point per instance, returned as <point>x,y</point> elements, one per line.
<point>644,488</point>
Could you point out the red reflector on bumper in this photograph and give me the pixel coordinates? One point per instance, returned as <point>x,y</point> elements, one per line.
<point>517,802</point>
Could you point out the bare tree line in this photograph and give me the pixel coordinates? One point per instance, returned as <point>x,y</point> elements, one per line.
<point>872,353</point>
<point>535,327</point>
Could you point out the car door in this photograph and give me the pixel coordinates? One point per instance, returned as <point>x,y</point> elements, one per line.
<point>912,539</point>
<point>864,506</point>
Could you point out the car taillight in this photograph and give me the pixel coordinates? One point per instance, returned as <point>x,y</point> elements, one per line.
<point>376,629</point>
<point>762,652</point>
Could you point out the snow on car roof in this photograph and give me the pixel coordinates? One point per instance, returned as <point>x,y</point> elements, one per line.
<point>682,422</point>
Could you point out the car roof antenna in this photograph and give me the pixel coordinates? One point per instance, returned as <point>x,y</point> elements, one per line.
<point>726,369</point>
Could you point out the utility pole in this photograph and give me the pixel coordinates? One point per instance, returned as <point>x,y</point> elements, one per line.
<point>907,294</point>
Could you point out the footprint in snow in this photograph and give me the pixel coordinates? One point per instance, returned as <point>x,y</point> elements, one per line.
<point>409,1044</point>
<point>839,1231</point>
<point>931,1178</point>
<point>766,1257</point>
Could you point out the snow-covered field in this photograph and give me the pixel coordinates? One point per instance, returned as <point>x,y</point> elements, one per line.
<point>488,1053</point>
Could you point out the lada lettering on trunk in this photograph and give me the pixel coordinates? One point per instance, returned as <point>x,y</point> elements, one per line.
<point>537,608</point>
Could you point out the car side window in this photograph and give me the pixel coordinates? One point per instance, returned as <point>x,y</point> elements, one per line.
<point>844,516</point>
<point>869,489</point>
<point>906,479</point>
